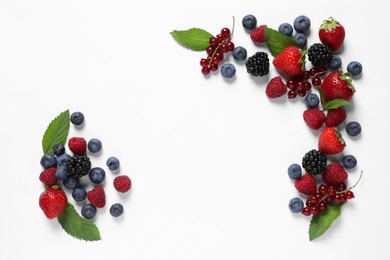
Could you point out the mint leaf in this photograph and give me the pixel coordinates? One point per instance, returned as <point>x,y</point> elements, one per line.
<point>277,42</point>
<point>76,226</point>
<point>335,103</point>
<point>56,132</point>
<point>194,39</point>
<point>320,223</point>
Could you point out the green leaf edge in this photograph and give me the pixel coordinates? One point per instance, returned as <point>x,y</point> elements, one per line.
<point>69,217</point>
<point>270,39</point>
<point>334,209</point>
<point>50,138</point>
<point>202,44</point>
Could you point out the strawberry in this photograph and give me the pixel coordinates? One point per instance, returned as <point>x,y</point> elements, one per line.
<point>334,174</point>
<point>332,33</point>
<point>97,197</point>
<point>338,85</point>
<point>48,176</point>
<point>258,34</point>
<point>314,118</point>
<point>306,184</point>
<point>53,201</point>
<point>334,117</point>
<point>291,61</point>
<point>77,145</point>
<point>330,141</point>
<point>276,88</point>
<point>122,183</point>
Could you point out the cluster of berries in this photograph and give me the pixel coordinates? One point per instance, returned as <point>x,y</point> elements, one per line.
<point>218,46</point>
<point>62,168</point>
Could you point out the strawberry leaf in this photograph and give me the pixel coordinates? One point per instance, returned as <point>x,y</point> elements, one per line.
<point>319,224</point>
<point>56,132</point>
<point>194,39</point>
<point>277,42</point>
<point>76,226</point>
<point>335,103</point>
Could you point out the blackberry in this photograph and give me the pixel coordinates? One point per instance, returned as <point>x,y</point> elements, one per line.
<point>320,55</point>
<point>314,162</point>
<point>79,165</point>
<point>258,64</point>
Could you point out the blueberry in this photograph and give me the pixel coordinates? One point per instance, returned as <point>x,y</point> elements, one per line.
<point>97,175</point>
<point>353,128</point>
<point>228,70</point>
<point>63,159</point>
<point>295,205</point>
<point>349,161</point>
<point>116,210</point>
<point>294,171</point>
<point>312,100</point>
<point>88,211</point>
<point>62,172</point>
<point>59,149</point>
<point>286,29</point>
<point>48,161</point>
<point>79,194</point>
<point>355,68</point>
<point>71,182</point>
<point>301,23</point>
<point>113,163</point>
<point>335,62</point>
<point>94,145</point>
<point>249,22</point>
<point>77,118</point>
<point>301,39</point>
<point>239,53</point>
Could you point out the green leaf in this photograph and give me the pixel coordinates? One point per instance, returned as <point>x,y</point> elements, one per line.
<point>335,103</point>
<point>76,226</point>
<point>319,224</point>
<point>277,42</point>
<point>322,96</point>
<point>194,39</point>
<point>56,132</point>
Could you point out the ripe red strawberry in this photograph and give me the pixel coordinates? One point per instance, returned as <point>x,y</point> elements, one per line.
<point>338,85</point>
<point>258,34</point>
<point>334,174</point>
<point>97,197</point>
<point>332,33</point>
<point>276,88</point>
<point>48,176</point>
<point>306,184</point>
<point>77,145</point>
<point>122,183</point>
<point>331,141</point>
<point>314,118</point>
<point>334,117</point>
<point>290,61</point>
<point>53,201</point>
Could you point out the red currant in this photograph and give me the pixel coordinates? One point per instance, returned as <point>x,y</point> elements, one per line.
<point>306,74</point>
<point>291,84</point>
<point>210,50</point>
<point>215,60</point>
<point>342,186</point>
<point>313,71</point>
<point>301,93</point>
<point>223,47</point>
<point>204,62</point>
<point>225,32</point>
<point>316,81</point>
<point>314,210</point>
<point>322,206</point>
<point>213,42</point>
<point>230,46</point>
<point>323,189</point>
<point>349,195</point>
<point>300,86</point>
<point>206,71</point>
<point>292,94</point>
<point>220,37</point>
<point>213,67</point>
<point>306,211</point>
<point>331,191</point>
<point>219,56</point>
<point>307,86</point>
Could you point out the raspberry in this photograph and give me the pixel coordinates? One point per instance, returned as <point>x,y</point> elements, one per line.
<point>319,55</point>
<point>122,183</point>
<point>48,176</point>
<point>79,166</point>
<point>258,64</point>
<point>314,162</point>
<point>258,34</point>
<point>97,197</point>
<point>77,145</point>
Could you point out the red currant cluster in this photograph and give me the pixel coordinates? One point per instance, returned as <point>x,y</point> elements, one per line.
<point>301,85</point>
<point>326,194</point>
<point>218,46</point>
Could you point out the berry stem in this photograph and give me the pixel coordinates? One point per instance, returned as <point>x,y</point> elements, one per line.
<point>361,173</point>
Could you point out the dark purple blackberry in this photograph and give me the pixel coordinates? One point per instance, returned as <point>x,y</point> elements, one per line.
<point>258,64</point>
<point>320,55</point>
<point>79,165</point>
<point>314,162</point>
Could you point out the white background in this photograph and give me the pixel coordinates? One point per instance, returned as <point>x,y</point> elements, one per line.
<point>207,157</point>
